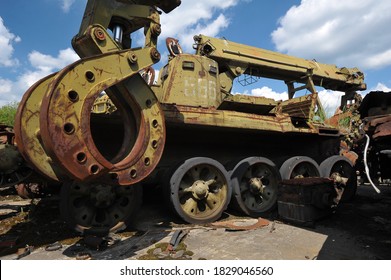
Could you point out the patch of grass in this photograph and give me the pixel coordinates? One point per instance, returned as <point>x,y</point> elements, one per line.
<point>163,246</point>
<point>345,122</point>
<point>8,112</point>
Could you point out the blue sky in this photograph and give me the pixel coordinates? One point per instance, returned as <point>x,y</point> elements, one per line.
<point>35,37</point>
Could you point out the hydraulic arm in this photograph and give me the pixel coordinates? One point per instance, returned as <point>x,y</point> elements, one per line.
<point>237,59</point>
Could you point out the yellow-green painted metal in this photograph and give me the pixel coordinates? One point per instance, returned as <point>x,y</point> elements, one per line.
<point>126,15</point>
<point>241,59</point>
<point>196,89</point>
<point>28,138</point>
<point>103,105</point>
<point>54,120</point>
<point>192,81</point>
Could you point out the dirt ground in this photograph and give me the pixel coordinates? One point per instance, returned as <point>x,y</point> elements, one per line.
<point>358,230</point>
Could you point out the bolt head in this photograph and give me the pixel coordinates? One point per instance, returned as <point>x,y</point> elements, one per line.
<point>99,34</point>
<point>132,57</point>
<point>155,54</point>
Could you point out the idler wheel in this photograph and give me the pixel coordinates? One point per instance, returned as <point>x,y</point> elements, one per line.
<point>99,208</point>
<point>199,190</point>
<point>254,185</point>
<point>342,168</point>
<point>299,167</point>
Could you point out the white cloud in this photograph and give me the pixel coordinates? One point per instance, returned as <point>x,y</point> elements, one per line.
<point>210,29</point>
<point>379,59</point>
<point>269,93</point>
<point>41,66</point>
<point>66,5</point>
<point>330,101</point>
<point>45,62</point>
<point>381,87</point>
<point>347,33</point>
<point>7,93</point>
<point>196,17</point>
<point>7,39</point>
<point>44,65</point>
<point>6,86</point>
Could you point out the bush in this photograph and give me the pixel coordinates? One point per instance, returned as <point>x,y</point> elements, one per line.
<point>7,113</point>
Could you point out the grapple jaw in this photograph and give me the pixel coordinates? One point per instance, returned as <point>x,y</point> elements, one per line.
<point>57,131</point>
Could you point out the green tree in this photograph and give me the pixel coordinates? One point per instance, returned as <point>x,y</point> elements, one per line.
<point>7,113</point>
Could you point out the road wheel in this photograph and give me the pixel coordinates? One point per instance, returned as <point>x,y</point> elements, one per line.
<point>341,169</point>
<point>199,190</point>
<point>99,208</point>
<point>254,185</point>
<point>299,167</point>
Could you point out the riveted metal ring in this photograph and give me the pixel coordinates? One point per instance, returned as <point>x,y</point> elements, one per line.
<point>65,121</point>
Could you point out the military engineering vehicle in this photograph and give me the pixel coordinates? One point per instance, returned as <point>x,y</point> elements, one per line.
<point>187,131</point>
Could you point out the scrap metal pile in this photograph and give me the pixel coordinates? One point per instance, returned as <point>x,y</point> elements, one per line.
<point>375,148</point>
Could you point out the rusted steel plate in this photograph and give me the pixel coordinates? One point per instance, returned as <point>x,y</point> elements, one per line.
<point>309,191</point>
<point>381,126</point>
<point>383,130</point>
<point>241,225</point>
<point>27,131</point>
<point>375,121</point>
<point>306,199</point>
<point>231,119</point>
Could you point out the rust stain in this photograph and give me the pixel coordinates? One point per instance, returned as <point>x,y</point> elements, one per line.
<point>383,130</point>
<point>241,225</point>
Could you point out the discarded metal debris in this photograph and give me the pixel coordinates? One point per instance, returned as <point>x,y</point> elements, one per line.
<point>100,242</point>
<point>241,224</point>
<point>53,247</point>
<point>95,242</point>
<point>83,256</point>
<point>176,239</point>
<point>305,200</point>
<point>23,252</point>
<point>7,134</point>
<point>374,160</point>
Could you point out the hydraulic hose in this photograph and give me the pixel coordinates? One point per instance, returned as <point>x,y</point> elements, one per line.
<point>366,164</point>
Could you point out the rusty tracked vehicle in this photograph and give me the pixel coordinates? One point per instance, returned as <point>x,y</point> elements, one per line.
<point>372,138</point>
<point>375,112</point>
<point>367,123</point>
<point>206,146</point>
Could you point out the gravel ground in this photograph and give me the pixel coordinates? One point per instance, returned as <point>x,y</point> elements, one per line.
<point>358,230</point>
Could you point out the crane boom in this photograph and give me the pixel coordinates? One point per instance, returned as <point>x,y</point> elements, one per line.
<point>241,59</point>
